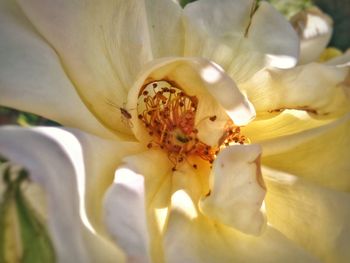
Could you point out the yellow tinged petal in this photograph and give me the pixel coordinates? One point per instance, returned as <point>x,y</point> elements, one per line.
<point>287,123</point>
<point>341,60</point>
<point>329,54</point>
<point>191,237</point>
<point>200,239</point>
<point>315,88</point>
<point>316,218</point>
<point>321,155</point>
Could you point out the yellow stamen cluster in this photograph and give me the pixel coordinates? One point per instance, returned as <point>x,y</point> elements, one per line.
<point>168,114</point>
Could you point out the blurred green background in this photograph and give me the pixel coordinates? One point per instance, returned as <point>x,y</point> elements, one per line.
<point>339,10</point>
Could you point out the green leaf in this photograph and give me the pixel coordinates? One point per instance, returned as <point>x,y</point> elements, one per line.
<point>2,159</point>
<point>36,243</point>
<point>290,7</point>
<point>339,10</point>
<point>183,3</point>
<point>4,208</point>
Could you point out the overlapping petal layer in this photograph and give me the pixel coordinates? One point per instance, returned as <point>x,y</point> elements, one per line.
<point>57,165</point>
<point>148,187</point>
<point>315,30</point>
<point>287,123</point>
<point>216,92</point>
<point>315,88</point>
<point>103,47</point>
<point>233,34</point>
<point>125,214</point>
<point>236,190</point>
<point>107,46</point>
<point>101,158</point>
<point>201,239</point>
<point>320,155</point>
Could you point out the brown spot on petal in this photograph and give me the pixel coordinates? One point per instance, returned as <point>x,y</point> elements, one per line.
<point>304,108</point>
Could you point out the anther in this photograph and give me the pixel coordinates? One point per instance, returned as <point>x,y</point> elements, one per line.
<point>212,118</point>
<point>168,114</point>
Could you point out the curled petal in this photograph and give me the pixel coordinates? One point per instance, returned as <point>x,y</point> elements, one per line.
<point>57,166</point>
<point>101,157</point>
<point>274,37</point>
<point>315,30</point>
<point>237,190</point>
<point>125,214</point>
<point>239,36</point>
<point>136,205</point>
<point>215,91</point>
<point>191,237</point>
<point>315,88</point>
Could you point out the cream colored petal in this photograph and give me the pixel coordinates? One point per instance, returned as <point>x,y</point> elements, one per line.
<point>191,237</point>
<point>238,37</point>
<point>136,205</point>
<point>273,36</point>
<point>102,46</point>
<point>314,217</point>
<point>315,29</point>
<point>125,214</point>
<point>315,88</point>
<point>101,158</point>
<point>237,190</point>
<point>226,16</point>
<point>165,27</point>
<point>321,155</point>
<point>55,161</point>
<point>216,92</point>
<point>32,78</point>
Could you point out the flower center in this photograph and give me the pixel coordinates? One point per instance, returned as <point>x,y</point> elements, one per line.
<point>169,115</point>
